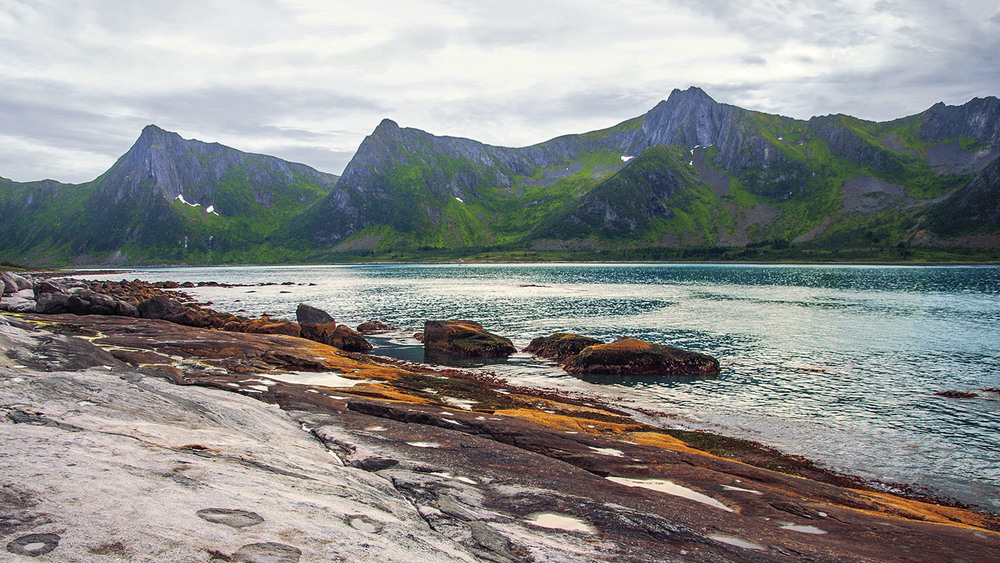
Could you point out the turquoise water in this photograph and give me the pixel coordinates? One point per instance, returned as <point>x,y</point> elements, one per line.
<point>837,363</point>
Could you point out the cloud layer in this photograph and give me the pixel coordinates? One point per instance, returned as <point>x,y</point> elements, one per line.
<point>306,80</point>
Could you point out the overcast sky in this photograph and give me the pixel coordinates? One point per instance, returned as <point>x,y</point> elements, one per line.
<point>306,80</point>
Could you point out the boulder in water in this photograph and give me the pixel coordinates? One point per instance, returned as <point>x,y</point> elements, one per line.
<point>560,346</point>
<point>307,314</point>
<point>631,356</point>
<point>374,326</point>
<point>466,339</point>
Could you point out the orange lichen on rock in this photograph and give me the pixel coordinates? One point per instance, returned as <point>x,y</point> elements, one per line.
<point>631,356</point>
<point>569,422</point>
<point>658,440</point>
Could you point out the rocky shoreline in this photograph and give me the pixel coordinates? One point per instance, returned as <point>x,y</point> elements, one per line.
<point>152,439</point>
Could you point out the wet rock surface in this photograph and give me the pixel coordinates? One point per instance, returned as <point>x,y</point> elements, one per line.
<point>560,346</point>
<point>206,445</point>
<point>464,339</point>
<point>630,356</point>
<point>372,327</point>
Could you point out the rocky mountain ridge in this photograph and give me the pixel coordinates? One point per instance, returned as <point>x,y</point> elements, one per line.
<point>691,173</point>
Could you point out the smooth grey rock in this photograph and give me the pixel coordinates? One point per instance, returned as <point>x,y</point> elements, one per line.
<point>7,284</point>
<point>134,450</point>
<point>19,302</point>
<point>22,282</point>
<point>48,286</point>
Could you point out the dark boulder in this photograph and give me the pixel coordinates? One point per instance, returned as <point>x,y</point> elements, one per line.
<point>100,304</point>
<point>78,305</point>
<point>630,356</point>
<point>307,314</point>
<point>319,332</point>
<point>952,394</point>
<point>374,326</point>
<point>560,345</point>
<point>466,339</point>
<point>91,303</point>
<point>190,316</point>
<point>51,303</point>
<point>159,307</point>
<point>126,309</point>
<point>338,336</point>
<point>349,340</point>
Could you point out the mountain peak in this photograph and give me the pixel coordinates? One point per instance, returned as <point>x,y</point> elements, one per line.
<point>386,127</point>
<point>687,118</point>
<point>693,94</point>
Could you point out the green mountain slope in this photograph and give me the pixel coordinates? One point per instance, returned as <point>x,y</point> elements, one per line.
<point>691,178</point>
<point>689,173</point>
<point>166,200</point>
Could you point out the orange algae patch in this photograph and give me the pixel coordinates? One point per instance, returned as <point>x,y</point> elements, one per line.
<point>667,442</point>
<point>887,504</point>
<point>381,391</point>
<point>568,422</point>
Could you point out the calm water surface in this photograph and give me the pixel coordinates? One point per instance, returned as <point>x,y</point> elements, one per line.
<point>837,363</point>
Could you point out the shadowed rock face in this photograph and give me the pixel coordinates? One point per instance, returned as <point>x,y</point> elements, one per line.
<point>349,340</point>
<point>307,314</point>
<point>466,339</point>
<point>560,346</point>
<point>630,356</point>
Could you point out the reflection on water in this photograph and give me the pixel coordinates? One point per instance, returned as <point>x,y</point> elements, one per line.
<point>839,363</point>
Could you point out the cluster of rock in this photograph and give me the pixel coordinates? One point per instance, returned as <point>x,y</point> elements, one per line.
<point>462,338</point>
<point>581,355</point>
<point>317,325</point>
<point>31,294</point>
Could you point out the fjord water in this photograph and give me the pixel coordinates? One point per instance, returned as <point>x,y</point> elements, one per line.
<point>836,363</point>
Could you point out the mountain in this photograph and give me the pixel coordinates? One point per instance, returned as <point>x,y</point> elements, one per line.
<point>691,179</point>
<point>691,172</point>
<point>166,200</point>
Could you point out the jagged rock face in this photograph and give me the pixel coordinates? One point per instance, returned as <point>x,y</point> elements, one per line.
<point>974,208</point>
<point>400,190</point>
<point>978,119</point>
<point>691,118</point>
<point>171,166</point>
